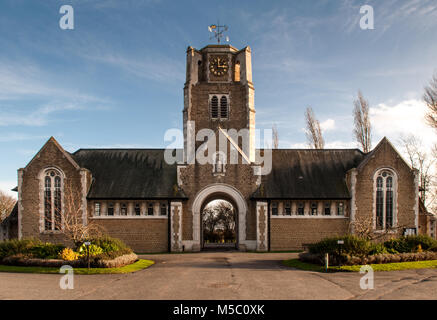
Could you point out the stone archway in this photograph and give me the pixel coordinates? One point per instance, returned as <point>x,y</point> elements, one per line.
<point>219,191</point>
<point>219,224</point>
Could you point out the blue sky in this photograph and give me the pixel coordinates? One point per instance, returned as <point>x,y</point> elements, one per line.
<point>116,80</point>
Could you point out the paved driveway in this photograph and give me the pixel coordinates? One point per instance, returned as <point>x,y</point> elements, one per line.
<point>222,275</point>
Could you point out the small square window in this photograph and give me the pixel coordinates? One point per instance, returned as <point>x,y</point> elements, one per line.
<point>301,209</point>
<point>137,209</point>
<point>340,209</point>
<point>274,208</point>
<point>288,209</point>
<point>313,209</point>
<point>110,209</point>
<point>123,209</point>
<point>97,209</point>
<point>150,209</point>
<point>327,209</point>
<point>163,209</point>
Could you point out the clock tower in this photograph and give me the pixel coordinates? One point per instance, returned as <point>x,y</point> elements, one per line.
<point>219,95</point>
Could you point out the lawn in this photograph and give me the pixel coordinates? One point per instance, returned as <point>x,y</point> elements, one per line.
<point>296,263</point>
<point>136,266</point>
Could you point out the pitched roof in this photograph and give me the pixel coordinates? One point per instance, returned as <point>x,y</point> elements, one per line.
<point>309,174</point>
<point>129,174</point>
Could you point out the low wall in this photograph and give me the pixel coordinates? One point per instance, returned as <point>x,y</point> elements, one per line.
<point>293,233</point>
<point>142,235</point>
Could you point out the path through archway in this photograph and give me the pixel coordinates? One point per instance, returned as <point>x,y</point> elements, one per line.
<point>219,225</point>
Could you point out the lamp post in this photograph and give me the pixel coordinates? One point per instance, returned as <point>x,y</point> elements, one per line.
<point>340,243</point>
<point>87,245</point>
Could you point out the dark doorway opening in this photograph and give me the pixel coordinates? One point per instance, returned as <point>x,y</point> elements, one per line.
<point>219,225</point>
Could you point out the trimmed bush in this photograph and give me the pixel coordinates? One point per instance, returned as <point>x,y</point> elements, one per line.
<point>109,244</point>
<point>29,247</point>
<point>411,243</point>
<point>352,246</point>
<point>46,250</point>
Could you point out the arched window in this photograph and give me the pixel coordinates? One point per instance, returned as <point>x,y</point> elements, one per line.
<point>385,185</point>
<point>223,107</point>
<point>214,107</point>
<point>53,188</point>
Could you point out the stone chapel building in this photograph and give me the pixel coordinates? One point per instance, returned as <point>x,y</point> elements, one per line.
<point>156,206</point>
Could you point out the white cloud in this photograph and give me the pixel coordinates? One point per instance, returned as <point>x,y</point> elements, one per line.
<point>406,117</point>
<point>327,125</point>
<point>160,69</point>
<point>39,117</point>
<point>13,136</point>
<point>6,187</point>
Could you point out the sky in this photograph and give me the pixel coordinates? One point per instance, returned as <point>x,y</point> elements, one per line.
<point>116,80</point>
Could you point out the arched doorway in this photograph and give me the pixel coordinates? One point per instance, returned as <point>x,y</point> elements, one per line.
<point>219,225</point>
<point>216,192</point>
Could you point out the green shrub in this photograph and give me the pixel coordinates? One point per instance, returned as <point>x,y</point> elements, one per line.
<point>92,249</point>
<point>13,247</point>
<point>352,246</point>
<point>46,250</point>
<point>433,248</point>
<point>408,244</point>
<point>29,247</point>
<point>109,244</point>
<point>378,248</point>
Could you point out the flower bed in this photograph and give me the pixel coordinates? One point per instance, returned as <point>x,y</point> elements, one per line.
<point>103,252</point>
<point>358,251</point>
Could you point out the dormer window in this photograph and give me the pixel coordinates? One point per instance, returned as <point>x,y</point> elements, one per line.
<point>219,106</point>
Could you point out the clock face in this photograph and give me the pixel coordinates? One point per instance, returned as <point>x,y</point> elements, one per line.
<point>219,65</point>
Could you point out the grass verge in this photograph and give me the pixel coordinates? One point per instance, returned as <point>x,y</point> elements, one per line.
<point>296,263</point>
<point>136,266</point>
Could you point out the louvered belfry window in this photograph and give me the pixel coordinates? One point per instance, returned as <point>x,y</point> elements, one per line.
<point>223,107</point>
<point>214,107</point>
<point>219,106</point>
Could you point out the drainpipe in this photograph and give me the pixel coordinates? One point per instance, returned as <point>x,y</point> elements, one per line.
<point>169,225</point>
<point>268,225</point>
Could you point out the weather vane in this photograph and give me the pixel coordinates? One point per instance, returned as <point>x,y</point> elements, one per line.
<point>218,30</point>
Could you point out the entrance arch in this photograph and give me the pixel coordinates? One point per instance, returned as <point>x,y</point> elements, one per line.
<point>219,225</point>
<point>219,191</point>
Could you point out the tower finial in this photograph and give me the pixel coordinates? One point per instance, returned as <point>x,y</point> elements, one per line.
<point>218,31</point>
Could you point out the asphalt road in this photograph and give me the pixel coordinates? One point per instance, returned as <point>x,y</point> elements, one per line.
<point>222,275</point>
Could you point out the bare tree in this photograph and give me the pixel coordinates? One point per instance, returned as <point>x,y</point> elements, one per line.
<point>70,221</point>
<point>219,222</point>
<point>7,203</point>
<point>275,137</point>
<point>430,98</point>
<point>420,159</point>
<point>313,130</point>
<point>363,227</point>
<point>362,125</point>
